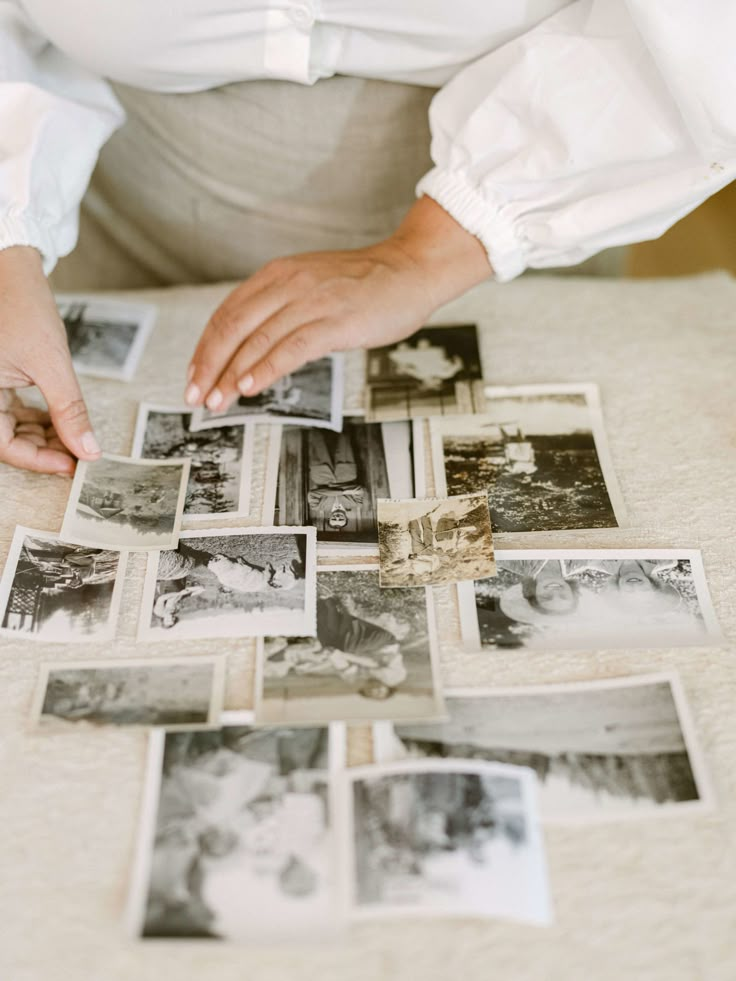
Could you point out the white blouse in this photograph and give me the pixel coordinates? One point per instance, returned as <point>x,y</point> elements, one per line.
<point>561,127</point>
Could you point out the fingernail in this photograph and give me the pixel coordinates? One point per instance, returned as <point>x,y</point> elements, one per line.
<point>215,398</point>
<point>190,372</point>
<point>90,444</point>
<point>191,396</point>
<point>245,384</point>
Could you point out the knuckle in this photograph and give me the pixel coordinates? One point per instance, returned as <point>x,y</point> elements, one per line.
<point>71,412</point>
<point>224,325</point>
<point>300,344</point>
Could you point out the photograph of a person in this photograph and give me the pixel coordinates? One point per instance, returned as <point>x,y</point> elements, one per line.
<point>437,371</point>
<point>310,396</point>
<point>541,454</point>
<point>434,541</point>
<point>446,838</point>
<point>167,692</point>
<point>374,656</point>
<point>119,502</point>
<point>582,598</point>
<point>237,840</point>
<point>106,337</point>
<point>57,592</point>
<point>601,750</point>
<point>220,459</point>
<point>333,480</point>
<point>231,582</point>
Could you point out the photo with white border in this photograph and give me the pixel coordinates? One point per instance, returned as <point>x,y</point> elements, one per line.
<point>106,337</point>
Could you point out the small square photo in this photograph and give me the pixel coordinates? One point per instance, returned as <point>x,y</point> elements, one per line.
<point>106,337</point>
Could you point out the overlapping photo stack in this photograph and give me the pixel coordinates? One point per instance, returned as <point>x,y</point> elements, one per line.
<point>253,826</point>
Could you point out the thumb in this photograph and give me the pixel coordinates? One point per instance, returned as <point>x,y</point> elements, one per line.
<point>68,411</point>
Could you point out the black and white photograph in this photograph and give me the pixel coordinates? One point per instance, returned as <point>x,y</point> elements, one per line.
<point>171,692</point>
<point>601,750</point>
<point>452,838</point>
<point>118,502</point>
<point>374,656</point>
<point>237,840</point>
<point>434,541</point>
<point>310,396</point>
<point>106,337</point>
<point>57,592</point>
<point>333,480</point>
<point>220,459</point>
<point>435,372</point>
<point>231,582</point>
<point>541,454</point>
<point>589,598</point>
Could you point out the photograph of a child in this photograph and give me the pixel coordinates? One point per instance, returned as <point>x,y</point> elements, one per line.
<point>106,337</point>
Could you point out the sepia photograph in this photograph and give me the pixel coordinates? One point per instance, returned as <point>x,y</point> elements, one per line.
<point>236,840</point>
<point>435,372</point>
<point>589,598</point>
<point>220,459</point>
<point>541,454</point>
<point>231,582</point>
<point>60,593</point>
<point>332,481</point>
<point>434,541</point>
<point>601,750</point>
<point>453,838</point>
<point>106,337</point>
<point>129,504</point>
<point>167,692</point>
<point>310,396</point>
<point>374,656</point>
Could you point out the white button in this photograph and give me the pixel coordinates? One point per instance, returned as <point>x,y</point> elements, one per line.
<point>302,15</point>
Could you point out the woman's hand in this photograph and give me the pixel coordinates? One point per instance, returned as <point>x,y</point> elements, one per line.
<point>298,309</point>
<point>34,351</point>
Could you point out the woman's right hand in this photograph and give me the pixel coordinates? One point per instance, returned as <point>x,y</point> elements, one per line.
<point>34,351</point>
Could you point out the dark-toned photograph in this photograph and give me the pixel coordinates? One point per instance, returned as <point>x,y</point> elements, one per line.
<point>106,337</point>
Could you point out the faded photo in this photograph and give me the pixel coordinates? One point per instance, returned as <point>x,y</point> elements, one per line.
<point>596,598</point>
<point>458,839</point>
<point>218,459</point>
<point>434,541</point>
<point>437,371</point>
<point>105,337</point>
<point>333,480</point>
<point>601,750</point>
<point>373,657</point>
<point>231,583</point>
<point>54,591</point>
<point>539,452</point>
<point>237,840</point>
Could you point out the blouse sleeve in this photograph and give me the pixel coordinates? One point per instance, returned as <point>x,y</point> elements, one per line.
<point>54,117</point>
<point>602,126</point>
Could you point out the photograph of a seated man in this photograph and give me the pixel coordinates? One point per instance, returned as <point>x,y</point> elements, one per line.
<point>335,496</point>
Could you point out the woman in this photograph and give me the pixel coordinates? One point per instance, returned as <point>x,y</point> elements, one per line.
<point>560,128</point>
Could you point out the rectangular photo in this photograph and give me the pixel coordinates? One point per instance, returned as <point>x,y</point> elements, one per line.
<point>434,541</point>
<point>171,692</point>
<point>220,459</point>
<point>231,582</point>
<point>589,598</point>
<point>435,372</point>
<point>454,838</point>
<point>374,657</point>
<point>60,593</point>
<point>602,750</point>
<point>541,454</point>
<point>237,838</point>
<point>310,396</point>
<point>333,480</point>
<point>106,337</point>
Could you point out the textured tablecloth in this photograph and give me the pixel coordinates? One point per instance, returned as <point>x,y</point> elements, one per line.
<point>649,899</point>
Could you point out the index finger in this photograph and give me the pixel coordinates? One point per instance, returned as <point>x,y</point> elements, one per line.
<point>17,450</point>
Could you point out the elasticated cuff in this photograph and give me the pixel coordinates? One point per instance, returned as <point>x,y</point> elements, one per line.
<point>25,230</point>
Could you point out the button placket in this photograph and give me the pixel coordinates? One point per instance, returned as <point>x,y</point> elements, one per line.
<point>302,14</point>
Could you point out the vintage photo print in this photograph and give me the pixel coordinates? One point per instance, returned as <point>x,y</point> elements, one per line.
<point>57,592</point>
<point>434,541</point>
<point>310,396</point>
<point>374,656</point>
<point>333,480</point>
<point>106,337</point>
<point>541,454</point>
<point>601,750</point>
<point>231,582</point>
<point>445,838</point>
<point>237,839</point>
<point>119,502</point>
<point>220,459</point>
<point>167,692</point>
<point>435,372</point>
<point>589,598</point>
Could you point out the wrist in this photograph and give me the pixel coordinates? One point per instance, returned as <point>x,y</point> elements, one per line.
<point>20,258</point>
